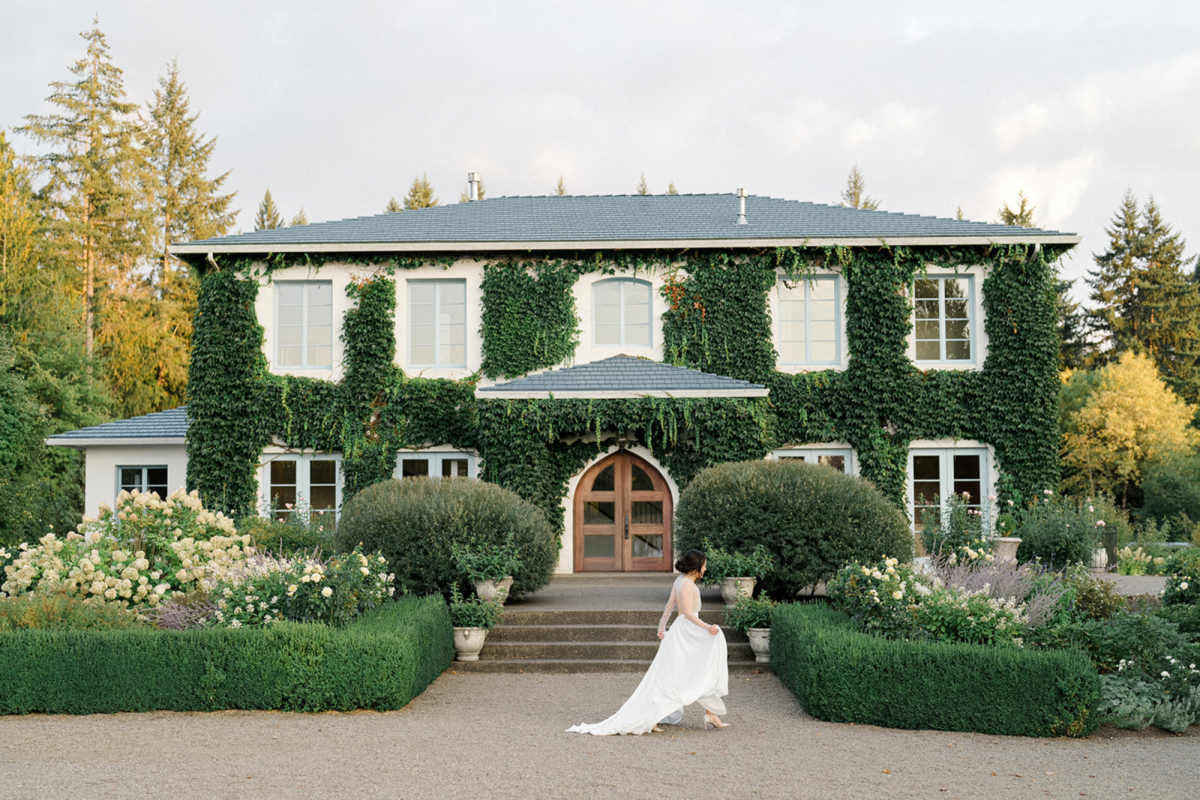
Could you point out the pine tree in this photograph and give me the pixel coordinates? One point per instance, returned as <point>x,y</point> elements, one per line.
<point>560,188</point>
<point>268,217</point>
<point>300,219</point>
<point>1145,299</point>
<point>1074,350</point>
<point>393,206</point>
<point>465,195</point>
<point>642,187</point>
<point>96,174</point>
<point>958,214</point>
<point>1021,216</point>
<point>420,194</point>
<point>854,195</point>
<point>671,188</point>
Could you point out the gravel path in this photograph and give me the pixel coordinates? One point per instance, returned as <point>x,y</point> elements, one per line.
<point>501,736</point>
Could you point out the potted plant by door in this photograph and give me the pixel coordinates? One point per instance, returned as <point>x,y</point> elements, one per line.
<point>472,619</point>
<point>736,573</point>
<point>489,567</point>
<point>752,616</point>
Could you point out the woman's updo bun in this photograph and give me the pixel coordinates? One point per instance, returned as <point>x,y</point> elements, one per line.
<point>691,561</point>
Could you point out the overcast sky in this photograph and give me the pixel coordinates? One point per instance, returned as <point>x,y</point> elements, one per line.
<point>336,106</point>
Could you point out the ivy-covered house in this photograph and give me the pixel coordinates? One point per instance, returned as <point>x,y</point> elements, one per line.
<point>593,353</point>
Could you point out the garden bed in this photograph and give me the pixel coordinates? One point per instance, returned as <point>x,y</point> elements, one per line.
<point>840,674</point>
<point>381,660</point>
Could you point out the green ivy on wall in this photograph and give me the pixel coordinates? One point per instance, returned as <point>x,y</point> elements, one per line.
<point>717,321</point>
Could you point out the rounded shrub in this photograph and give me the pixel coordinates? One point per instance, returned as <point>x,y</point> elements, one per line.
<point>811,518</point>
<point>415,523</point>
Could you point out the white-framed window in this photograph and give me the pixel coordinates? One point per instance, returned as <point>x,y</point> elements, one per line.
<point>437,323</point>
<point>305,484</point>
<point>622,311</point>
<point>839,458</point>
<point>304,324</point>
<point>936,473</point>
<point>810,325</point>
<point>143,479</point>
<point>944,318</point>
<point>434,464</point>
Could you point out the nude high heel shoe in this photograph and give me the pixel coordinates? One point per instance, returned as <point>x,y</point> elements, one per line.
<point>715,721</point>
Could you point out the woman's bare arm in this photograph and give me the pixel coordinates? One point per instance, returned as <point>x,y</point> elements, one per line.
<point>662,623</point>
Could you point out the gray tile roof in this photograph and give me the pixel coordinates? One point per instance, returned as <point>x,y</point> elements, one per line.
<point>172,424</point>
<point>594,220</point>
<point>624,374</point>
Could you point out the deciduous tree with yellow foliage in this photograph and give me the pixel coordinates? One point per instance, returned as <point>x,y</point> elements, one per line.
<point>1115,420</point>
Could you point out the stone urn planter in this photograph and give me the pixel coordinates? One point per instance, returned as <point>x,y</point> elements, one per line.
<point>468,642</point>
<point>760,643</point>
<point>493,590</point>
<point>1006,549</point>
<point>1100,561</point>
<point>733,588</point>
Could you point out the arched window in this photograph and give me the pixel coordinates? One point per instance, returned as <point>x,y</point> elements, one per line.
<point>622,311</point>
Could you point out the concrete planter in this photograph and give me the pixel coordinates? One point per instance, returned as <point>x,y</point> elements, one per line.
<point>494,590</point>
<point>468,642</point>
<point>1100,560</point>
<point>730,587</point>
<point>1006,548</point>
<point>760,643</point>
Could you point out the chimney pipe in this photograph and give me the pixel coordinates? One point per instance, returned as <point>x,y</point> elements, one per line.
<point>473,180</point>
<point>741,193</point>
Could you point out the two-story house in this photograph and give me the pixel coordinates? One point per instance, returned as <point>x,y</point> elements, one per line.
<point>593,353</point>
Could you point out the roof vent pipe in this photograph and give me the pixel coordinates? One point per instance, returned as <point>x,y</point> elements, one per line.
<point>473,181</point>
<point>741,193</point>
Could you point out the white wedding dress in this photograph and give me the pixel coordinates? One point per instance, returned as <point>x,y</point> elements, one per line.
<point>691,666</point>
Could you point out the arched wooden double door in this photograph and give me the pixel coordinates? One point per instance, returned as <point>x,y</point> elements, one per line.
<point>623,517</point>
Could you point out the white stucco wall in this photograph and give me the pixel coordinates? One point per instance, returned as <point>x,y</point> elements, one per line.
<point>102,462</point>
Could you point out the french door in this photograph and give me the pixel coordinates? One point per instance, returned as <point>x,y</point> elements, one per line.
<point>623,517</point>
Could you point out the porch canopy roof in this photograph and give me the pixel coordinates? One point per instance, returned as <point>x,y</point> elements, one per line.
<point>161,427</point>
<point>620,377</point>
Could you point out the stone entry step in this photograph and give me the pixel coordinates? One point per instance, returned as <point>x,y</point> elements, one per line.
<point>586,641</point>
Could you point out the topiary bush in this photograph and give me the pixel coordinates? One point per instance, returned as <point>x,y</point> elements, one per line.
<point>811,518</point>
<point>416,522</point>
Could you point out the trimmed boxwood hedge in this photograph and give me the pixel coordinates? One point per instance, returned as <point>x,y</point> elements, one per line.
<point>840,674</point>
<point>381,661</point>
<point>813,519</point>
<point>415,522</point>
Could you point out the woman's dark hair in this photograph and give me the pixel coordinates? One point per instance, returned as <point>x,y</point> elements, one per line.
<point>691,561</point>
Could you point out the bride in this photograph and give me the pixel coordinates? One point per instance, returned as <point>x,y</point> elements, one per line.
<point>690,667</point>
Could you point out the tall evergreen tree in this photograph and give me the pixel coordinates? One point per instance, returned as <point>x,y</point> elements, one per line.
<point>671,188</point>
<point>958,213</point>
<point>393,206</point>
<point>300,219</point>
<point>1021,216</point>
<point>560,188</point>
<point>420,194</point>
<point>96,173</point>
<point>1145,299</point>
<point>642,187</point>
<point>268,217</point>
<point>1075,352</point>
<point>855,193</point>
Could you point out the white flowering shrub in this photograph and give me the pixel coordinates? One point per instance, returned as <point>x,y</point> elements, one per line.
<point>953,614</point>
<point>136,554</point>
<point>1183,578</point>
<point>263,589</point>
<point>956,532</point>
<point>882,597</point>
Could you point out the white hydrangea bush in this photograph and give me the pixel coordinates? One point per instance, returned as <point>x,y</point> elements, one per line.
<point>137,553</point>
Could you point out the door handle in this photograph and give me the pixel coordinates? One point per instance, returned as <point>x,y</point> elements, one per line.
<point>626,526</point>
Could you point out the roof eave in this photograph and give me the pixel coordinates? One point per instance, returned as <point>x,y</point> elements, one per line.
<point>486,394</point>
<point>83,442</point>
<point>201,249</point>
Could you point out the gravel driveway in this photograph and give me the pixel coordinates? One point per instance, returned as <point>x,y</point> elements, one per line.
<point>501,736</point>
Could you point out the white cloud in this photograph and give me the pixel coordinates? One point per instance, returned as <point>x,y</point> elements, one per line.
<point>1055,190</point>
<point>1012,129</point>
